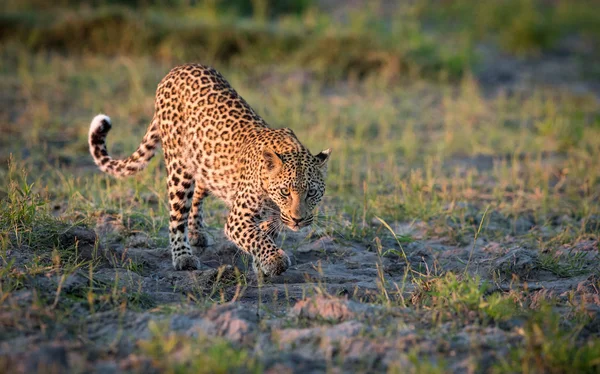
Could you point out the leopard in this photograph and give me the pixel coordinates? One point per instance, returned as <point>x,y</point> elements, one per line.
<point>215,144</point>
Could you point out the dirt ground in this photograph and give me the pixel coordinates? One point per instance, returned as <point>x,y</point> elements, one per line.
<point>330,311</point>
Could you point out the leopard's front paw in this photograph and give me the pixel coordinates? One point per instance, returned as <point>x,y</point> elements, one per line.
<point>186,262</point>
<point>275,264</point>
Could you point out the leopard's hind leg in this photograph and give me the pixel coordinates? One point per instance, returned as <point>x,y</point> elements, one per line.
<point>196,227</point>
<point>181,190</point>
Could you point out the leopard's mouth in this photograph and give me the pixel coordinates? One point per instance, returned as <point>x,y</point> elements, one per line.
<point>295,224</point>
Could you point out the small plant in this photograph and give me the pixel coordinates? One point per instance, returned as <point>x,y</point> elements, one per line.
<point>418,365</point>
<point>134,266</point>
<point>450,295</point>
<point>549,346</point>
<point>568,265</point>
<point>454,296</point>
<point>21,210</point>
<point>172,353</point>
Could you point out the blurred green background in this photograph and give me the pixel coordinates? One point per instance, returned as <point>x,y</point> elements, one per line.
<point>438,39</point>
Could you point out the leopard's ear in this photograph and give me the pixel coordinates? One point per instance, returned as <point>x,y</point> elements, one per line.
<point>272,160</point>
<point>323,157</point>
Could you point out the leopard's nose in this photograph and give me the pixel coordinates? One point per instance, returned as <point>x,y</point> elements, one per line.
<point>297,220</point>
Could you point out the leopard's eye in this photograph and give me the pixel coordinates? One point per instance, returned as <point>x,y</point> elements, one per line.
<point>312,192</point>
<point>284,192</point>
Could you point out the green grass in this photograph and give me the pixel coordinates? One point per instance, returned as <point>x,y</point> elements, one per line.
<point>522,27</point>
<point>311,40</point>
<point>548,347</point>
<point>171,353</point>
<point>22,213</point>
<point>532,170</point>
<point>464,299</point>
<point>416,39</point>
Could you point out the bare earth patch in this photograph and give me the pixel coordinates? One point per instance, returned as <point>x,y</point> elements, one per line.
<point>340,304</point>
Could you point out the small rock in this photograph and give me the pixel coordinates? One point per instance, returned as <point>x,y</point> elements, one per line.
<point>512,323</point>
<point>494,221</point>
<point>586,246</point>
<point>522,225</point>
<point>48,359</point>
<point>234,322</point>
<point>83,240</point>
<point>365,352</point>
<point>139,240</point>
<point>226,250</point>
<point>322,244</point>
<point>321,307</point>
<point>108,224</point>
<point>294,362</point>
<point>517,261</point>
<point>280,368</point>
<point>290,338</point>
<point>105,367</point>
<point>124,278</point>
<point>202,281</point>
<point>77,234</point>
<point>74,282</point>
<point>592,224</point>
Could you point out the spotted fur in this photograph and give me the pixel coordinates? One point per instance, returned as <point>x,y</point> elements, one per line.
<point>214,143</point>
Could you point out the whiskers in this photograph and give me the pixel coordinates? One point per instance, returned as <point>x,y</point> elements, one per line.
<point>295,225</point>
<point>274,222</point>
<point>271,218</point>
<point>274,227</point>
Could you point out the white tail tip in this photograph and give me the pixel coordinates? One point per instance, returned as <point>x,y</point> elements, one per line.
<point>99,121</point>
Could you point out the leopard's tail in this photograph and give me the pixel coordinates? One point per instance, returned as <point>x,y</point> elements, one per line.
<point>100,127</point>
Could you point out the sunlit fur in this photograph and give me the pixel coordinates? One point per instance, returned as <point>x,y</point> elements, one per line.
<point>214,143</point>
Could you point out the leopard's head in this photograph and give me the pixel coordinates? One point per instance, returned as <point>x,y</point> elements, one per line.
<point>295,181</point>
